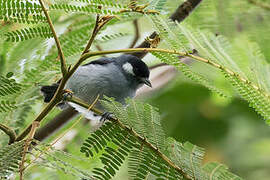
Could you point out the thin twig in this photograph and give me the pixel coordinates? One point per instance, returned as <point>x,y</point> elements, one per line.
<point>100,22</point>
<point>98,47</point>
<point>35,125</point>
<point>60,51</point>
<point>93,35</point>
<point>9,132</point>
<point>142,139</point>
<point>179,15</point>
<point>137,33</point>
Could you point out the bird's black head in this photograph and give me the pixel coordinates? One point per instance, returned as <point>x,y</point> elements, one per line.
<point>136,67</point>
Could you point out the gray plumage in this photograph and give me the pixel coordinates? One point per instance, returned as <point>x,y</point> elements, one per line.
<point>109,79</point>
<point>117,77</point>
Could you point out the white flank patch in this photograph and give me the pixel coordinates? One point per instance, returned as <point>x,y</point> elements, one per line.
<point>94,120</point>
<point>128,68</point>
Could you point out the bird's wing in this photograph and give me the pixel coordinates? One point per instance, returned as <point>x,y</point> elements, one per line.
<point>101,61</point>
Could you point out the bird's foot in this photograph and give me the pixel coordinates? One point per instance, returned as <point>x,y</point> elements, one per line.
<point>67,94</point>
<point>105,116</point>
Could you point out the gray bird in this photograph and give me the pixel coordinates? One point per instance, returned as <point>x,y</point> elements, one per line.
<point>117,77</point>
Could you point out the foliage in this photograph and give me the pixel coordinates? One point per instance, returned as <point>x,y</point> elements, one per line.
<point>233,62</point>
<point>10,157</point>
<point>21,11</point>
<point>218,50</point>
<point>115,144</point>
<point>29,33</point>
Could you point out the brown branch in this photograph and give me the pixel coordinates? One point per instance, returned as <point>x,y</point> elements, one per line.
<point>137,33</point>
<point>180,14</point>
<point>260,4</point>
<point>142,139</point>
<point>100,22</point>
<point>9,132</point>
<point>35,125</point>
<point>99,47</point>
<point>183,11</point>
<point>144,44</point>
<point>93,35</point>
<point>57,122</point>
<point>60,51</point>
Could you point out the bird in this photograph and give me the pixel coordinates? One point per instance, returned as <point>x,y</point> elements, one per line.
<point>116,77</point>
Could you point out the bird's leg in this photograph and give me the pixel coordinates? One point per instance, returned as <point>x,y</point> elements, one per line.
<point>67,94</point>
<point>105,116</point>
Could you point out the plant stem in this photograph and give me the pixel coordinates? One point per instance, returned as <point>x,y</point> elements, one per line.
<point>260,4</point>
<point>34,127</point>
<point>9,132</point>
<point>60,51</point>
<point>93,35</point>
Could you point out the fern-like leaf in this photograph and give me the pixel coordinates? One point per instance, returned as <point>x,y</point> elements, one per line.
<point>219,51</point>
<point>21,11</point>
<point>217,171</point>
<point>29,33</point>
<point>89,7</point>
<point>114,142</point>
<point>144,164</point>
<point>110,37</point>
<point>8,86</point>
<point>10,157</point>
<point>143,118</point>
<point>188,156</point>
<point>60,160</point>
<point>144,144</point>
<point>6,106</point>
<point>188,72</point>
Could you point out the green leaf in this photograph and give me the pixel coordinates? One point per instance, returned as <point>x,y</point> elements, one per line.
<point>21,11</point>
<point>10,158</point>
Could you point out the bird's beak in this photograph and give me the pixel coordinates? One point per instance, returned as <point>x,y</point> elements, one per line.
<point>147,82</point>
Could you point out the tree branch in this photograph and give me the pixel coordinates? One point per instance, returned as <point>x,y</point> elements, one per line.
<point>260,4</point>
<point>9,132</point>
<point>56,123</point>
<point>35,125</point>
<point>183,11</point>
<point>180,14</point>
<point>100,22</point>
<point>60,51</point>
<point>137,34</point>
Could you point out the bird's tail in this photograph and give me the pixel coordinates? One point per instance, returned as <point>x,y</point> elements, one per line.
<point>49,91</point>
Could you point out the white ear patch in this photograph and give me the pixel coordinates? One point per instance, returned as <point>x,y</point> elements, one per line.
<point>128,68</point>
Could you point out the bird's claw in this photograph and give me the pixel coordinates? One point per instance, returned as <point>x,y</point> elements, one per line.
<point>67,94</point>
<point>104,116</point>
